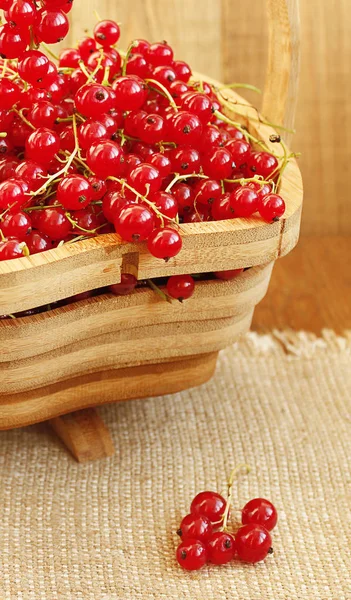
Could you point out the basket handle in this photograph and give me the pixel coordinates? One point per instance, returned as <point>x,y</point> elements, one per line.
<point>280,92</point>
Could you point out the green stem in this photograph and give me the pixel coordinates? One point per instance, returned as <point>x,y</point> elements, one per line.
<point>49,51</point>
<point>165,91</point>
<point>128,53</point>
<point>158,291</point>
<point>230,493</point>
<point>182,178</point>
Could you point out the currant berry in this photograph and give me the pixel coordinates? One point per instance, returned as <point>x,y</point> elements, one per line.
<point>22,13</point>
<point>182,70</point>
<point>92,100</point>
<point>201,214</point>
<point>10,249</point>
<point>198,104</point>
<point>16,225</point>
<point>271,207</point>
<point>164,243</point>
<point>53,26</point>
<point>85,219</point>
<point>134,223</point>
<point>262,163</point>
<point>166,204</point>
<point>221,548</point>
<point>9,94</point>
<point>260,512</point>
<point>260,189</point>
<point>221,208</point>
<point>86,47</point>
<point>47,81</point>
<point>43,114</point>
<point>131,161</point>
<point>105,158</point>
<point>184,196</point>
<point>54,223</point>
<point>74,192</point>
<point>218,164</point>
<point>13,41</point>
<point>210,505</point>
<point>112,204</point>
<point>151,129</point>
<point>13,194</point>
<point>69,58</point>
<point>145,179</point>
<point>228,275</point>
<point>42,145</point>
<point>90,132</point>
<point>185,161</point>
<point>240,151</point>
<point>244,202</point>
<point>158,54</point>
<point>164,74</point>
<point>37,242</point>
<point>98,187</point>
<point>140,47</point>
<point>207,191</point>
<point>195,527</point>
<point>192,555</point>
<point>185,129</point>
<point>131,92</point>
<point>126,286</point>
<point>8,168</point>
<point>107,33</point>
<point>210,138</point>
<point>180,287</point>
<point>162,164</point>
<point>137,65</point>
<point>253,543</point>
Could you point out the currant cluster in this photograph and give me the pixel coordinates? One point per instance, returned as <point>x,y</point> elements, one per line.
<point>102,141</point>
<point>206,537</point>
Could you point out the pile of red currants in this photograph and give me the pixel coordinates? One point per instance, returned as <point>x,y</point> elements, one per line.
<point>206,537</point>
<point>108,141</point>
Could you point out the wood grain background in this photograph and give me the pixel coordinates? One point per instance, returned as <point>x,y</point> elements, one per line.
<point>227,39</point>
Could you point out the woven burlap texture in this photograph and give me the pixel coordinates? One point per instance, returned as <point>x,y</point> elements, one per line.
<point>105,531</point>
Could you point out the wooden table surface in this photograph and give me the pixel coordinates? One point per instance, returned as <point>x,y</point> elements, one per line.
<point>310,288</point>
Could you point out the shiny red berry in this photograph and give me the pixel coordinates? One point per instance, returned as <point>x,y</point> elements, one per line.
<point>134,223</point>
<point>185,160</point>
<point>9,94</point>
<point>159,53</point>
<point>260,512</point>
<point>253,543</point>
<point>53,26</point>
<point>209,504</point>
<point>42,145</point>
<point>105,158</point>
<point>218,163</point>
<point>221,208</point>
<point>107,33</point>
<point>37,242</point>
<point>11,249</point>
<point>74,192</point>
<point>164,243</point>
<point>16,225</point>
<point>180,287</point>
<point>145,179</point>
<point>126,286</point>
<point>131,92</point>
<point>244,202</point>
<point>185,129</point>
<point>92,100</point>
<point>271,207</point>
<point>262,163</point>
<point>195,527</point>
<point>221,548</point>
<point>192,555</point>
<point>54,223</point>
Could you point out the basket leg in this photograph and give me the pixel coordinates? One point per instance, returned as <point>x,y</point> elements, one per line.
<point>84,434</point>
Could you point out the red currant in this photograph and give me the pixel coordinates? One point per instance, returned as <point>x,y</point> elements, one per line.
<point>192,555</point>
<point>182,70</point>
<point>86,47</point>
<point>43,114</point>
<point>164,243</point>
<point>221,208</point>
<point>74,192</point>
<point>185,129</point>
<point>53,26</point>
<point>162,164</point>
<point>69,58</point>
<point>198,104</point>
<point>131,92</point>
<point>185,161</point>
<point>260,512</point>
<point>16,225</point>
<point>134,223</point>
<point>271,207</point>
<point>184,196</point>
<point>89,132</point>
<point>207,190</point>
<point>10,249</point>
<point>13,41</point>
<point>105,158</point>
<point>9,94</point>
<point>166,204</point>
<point>228,275</point>
<point>180,287</point>
<point>159,53</point>
<point>126,286</point>
<point>218,163</point>
<point>13,193</point>
<point>253,543</point>
<point>262,163</point>
<point>210,505</point>
<point>22,13</point>
<point>37,242</point>
<point>92,99</point>
<point>145,179</point>
<point>244,202</point>
<point>221,548</point>
<point>42,145</point>
<point>195,527</point>
<point>107,33</point>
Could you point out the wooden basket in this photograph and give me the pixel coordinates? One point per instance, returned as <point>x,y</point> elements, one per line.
<point>106,348</point>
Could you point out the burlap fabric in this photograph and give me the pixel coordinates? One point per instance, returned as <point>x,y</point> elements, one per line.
<point>105,531</point>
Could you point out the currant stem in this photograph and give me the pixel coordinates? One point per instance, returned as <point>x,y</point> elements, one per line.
<point>49,51</point>
<point>182,178</point>
<point>66,167</point>
<point>158,291</point>
<point>21,115</point>
<point>246,86</point>
<point>144,199</point>
<point>230,492</point>
<point>128,53</point>
<point>165,91</point>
